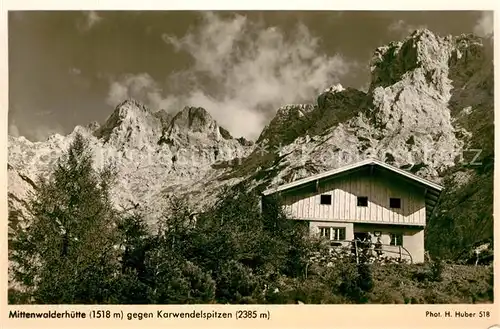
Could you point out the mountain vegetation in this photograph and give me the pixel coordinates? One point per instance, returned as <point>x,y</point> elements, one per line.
<point>113,206</point>
<point>78,249</point>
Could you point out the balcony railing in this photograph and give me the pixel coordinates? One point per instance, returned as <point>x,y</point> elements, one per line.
<point>364,250</point>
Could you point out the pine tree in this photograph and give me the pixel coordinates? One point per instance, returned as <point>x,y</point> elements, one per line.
<point>132,286</point>
<point>67,253</point>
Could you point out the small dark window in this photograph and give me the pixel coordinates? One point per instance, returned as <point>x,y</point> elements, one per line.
<point>396,239</point>
<point>395,203</point>
<point>362,201</point>
<point>326,199</point>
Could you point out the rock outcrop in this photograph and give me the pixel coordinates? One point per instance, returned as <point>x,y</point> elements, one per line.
<point>155,155</point>
<point>404,119</point>
<point>430,99</point>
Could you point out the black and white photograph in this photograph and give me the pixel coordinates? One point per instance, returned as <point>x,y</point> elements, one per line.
<point>250,157</point>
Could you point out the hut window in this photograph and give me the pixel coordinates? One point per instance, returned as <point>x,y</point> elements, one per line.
<point>362,201</point>
<point>326,199</point>
<point>332,233</point>
<point>396,239</point>
<point>395,203</point>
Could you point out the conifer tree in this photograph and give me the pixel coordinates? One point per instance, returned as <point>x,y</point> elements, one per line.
<point>67,252</point>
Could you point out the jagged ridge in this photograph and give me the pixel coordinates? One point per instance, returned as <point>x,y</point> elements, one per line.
<point>429,98</point>
<point>133,139</point>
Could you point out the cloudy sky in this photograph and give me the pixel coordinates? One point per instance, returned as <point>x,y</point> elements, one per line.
<point>70,68</point>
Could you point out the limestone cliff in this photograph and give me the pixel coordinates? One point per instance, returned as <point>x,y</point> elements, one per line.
<point>430,102</point>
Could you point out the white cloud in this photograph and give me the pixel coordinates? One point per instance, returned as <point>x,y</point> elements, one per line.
<point>403,28</point>
<point>242,72</point>
<point>90,19</point>
<point>141,87</point>
<point>484,25</point>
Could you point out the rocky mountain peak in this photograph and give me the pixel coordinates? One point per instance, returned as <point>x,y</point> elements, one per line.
<point>196,119</point>
<point>286,115</point>
<point>164,116</point>
<point>422,49</point>
<point>195,127</point>
<point>286,111</point>
<point>93,126</point>
<point>405,119</point>
<point>131,124</point>
<point>334,88</point>
<point>410,91</point>
<point>421,89</point>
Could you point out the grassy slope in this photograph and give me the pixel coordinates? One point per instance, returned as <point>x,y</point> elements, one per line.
<point>395,284</point>
<point>406,284</point>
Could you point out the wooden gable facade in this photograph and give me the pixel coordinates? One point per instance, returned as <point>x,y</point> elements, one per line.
<point>366,192</point>
<point>367,197</point>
